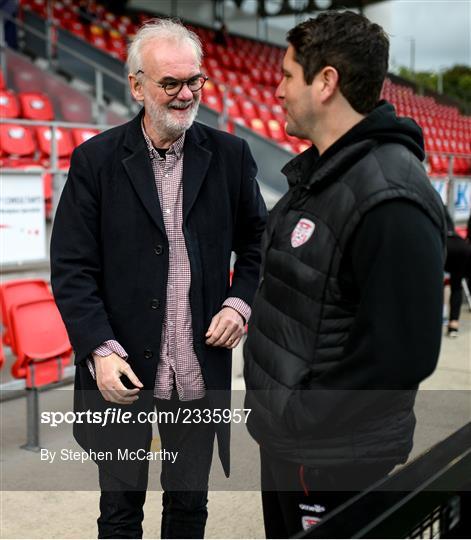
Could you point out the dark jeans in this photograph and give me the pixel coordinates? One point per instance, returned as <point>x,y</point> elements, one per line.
<point>185,482</point>
<point>458,264</point>
<point>295,497</point>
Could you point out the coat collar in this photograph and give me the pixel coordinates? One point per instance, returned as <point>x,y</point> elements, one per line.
<point>196,160</point>
<point>299,171</point>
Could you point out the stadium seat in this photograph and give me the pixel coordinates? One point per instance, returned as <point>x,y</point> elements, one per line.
<point>2,81</point>
<point>36,106</point>
<point>276,131</point>
<point>42,345</point>
<point>17,145</point>
<point>248,109</point>
<point>77,28</point>
<point>98,41</point>
<point>27,80</point>
<point>64,144</point>
<point>258,126</point>
<point>80,135</point>
<point>75,108</point>
<point>9,106</point>
<point>212,101</point>
<point>16,292</point>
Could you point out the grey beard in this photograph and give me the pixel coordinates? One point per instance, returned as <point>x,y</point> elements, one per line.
<point>168,129</point>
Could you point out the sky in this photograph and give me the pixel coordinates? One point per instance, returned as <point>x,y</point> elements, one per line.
<point>441,29</point>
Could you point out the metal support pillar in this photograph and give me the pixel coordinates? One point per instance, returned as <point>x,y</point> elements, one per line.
<point>32,420</point>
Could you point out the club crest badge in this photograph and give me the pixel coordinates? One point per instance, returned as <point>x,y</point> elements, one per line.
<point>302,232</point>
<point>309,521</point>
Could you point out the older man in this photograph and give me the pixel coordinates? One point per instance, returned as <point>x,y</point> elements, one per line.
<point>141,248</point>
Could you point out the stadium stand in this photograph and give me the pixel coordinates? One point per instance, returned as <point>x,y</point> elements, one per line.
<point>245,73</point>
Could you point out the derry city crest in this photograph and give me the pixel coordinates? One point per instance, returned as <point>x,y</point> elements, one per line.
<point>302,232</point>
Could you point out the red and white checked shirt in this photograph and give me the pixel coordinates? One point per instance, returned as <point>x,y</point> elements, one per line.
<point>177,357</point>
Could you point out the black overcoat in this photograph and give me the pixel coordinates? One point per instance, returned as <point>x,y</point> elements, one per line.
<point>109,260</point>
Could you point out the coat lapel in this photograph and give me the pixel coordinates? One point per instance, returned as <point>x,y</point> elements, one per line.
<point>139,169</point>
<point>196,161</point>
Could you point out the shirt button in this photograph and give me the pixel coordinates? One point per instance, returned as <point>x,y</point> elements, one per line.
<point>166,176</point>
<point>168,210</point>
<point>155,303</point>
<point>158,250</point>
<point>148,354</point>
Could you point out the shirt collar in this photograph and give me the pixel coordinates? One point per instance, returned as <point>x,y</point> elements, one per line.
<point>175,148</point>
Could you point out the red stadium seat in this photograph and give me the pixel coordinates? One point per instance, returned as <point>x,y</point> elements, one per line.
<point>77,28</point>
<point>16,292</point>
<point>258,126</point>
<point>9,106</point>
<point>17,144</point>
<point>27,80</point>
<point>64,142</point>
<point>98,41</point>
<point>248,109</point>
<point>212,101</point>
<point>75,108</point>
<point>276,131</point>
<point>116,44</point>
<point>2,81</point>
<point>265,113</point>
<point>437,165</point>
<point>233,108</point>
<point>80,135</point>
<point>43,347</point>
<point>36,106</point>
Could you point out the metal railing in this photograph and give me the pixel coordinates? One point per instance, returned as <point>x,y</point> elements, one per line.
<point>99,71</point>
<point>428,498</point>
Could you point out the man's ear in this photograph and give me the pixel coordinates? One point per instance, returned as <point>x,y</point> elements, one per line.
<point>328,82</point>
<point>135,86</point>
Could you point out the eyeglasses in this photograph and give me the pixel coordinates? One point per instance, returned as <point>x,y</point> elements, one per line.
<point>173,87</point>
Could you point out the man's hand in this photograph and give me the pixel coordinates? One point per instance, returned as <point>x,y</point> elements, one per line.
<point>226,329</point>
<point>108,371</point>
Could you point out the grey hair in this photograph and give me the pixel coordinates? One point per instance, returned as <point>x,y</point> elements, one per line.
<point>164,29</point>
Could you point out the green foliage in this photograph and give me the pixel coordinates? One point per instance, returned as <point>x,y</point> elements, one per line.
<point>456,81</point>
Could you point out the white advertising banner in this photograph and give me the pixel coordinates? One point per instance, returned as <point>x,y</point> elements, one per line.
<point>441,186</point>
<point>462,197</point>
<point>22,218</point>
<point>462,200</point>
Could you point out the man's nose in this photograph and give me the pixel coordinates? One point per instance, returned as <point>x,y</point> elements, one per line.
<point>280,90</point>
<point>185,93</point>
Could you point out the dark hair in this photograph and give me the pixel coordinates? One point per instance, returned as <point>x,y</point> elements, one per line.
<point>357,48</point>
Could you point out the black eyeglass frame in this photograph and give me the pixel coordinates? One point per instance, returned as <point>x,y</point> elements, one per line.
<point>179,81</point>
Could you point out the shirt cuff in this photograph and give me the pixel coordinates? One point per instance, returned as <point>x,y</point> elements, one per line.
<point>240,306</point>
<point>105,349</point>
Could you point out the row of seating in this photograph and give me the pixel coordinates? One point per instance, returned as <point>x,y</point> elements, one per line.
<point>28,105</point>
<point>246,72</point>
<point>22,146</point>
<point>34,332</point>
